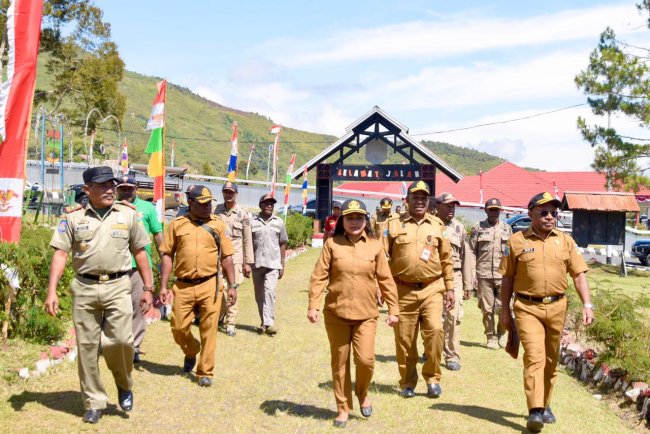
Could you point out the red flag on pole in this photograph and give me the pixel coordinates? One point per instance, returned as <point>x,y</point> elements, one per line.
<point>480,179</point>
<point>16,97</point>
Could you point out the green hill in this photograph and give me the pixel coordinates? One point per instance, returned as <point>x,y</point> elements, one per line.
<point>201,130</point>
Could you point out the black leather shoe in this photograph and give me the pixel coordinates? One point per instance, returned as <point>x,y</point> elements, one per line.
<point>136,357</point>
<point>408,392</point>
<point>340,423</point>
<point>548,416</point>
<point>125,398</point>
<point>366,411</point>
<point>92,416</point>
<point>205,381</point>
<point>188,364</point>
<point>434,390</point>
<point>535,421</point>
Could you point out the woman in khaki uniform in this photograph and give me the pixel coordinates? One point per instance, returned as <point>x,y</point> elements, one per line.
<point>351,266</point>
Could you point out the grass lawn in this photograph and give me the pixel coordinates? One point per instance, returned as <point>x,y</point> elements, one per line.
<point>283,384</point>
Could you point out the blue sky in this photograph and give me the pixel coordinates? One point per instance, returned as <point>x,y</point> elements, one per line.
<point>433,65</point>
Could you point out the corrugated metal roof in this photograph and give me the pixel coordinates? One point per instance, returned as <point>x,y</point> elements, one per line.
<point>607,201</point>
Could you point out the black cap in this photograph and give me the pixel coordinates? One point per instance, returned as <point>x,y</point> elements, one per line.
<point>543,198</point>
<point>386,203</point>
<point>493,203</point>
<point>352,206</point>
<point>266,197</point>
<point>200,193</point>
<point>230,186</point>
<point>336,204</point>
<point>419,186</point>
<point>126,181</point>
<point>98,175</point>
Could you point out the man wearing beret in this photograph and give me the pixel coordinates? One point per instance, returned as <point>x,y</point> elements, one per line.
<point>102,236</point>
<point>487,241</point>
<point>198,247</point>
<point>148,218</point>
<point>269,244</point>
<point>534,268</point>
<point>421,265</point>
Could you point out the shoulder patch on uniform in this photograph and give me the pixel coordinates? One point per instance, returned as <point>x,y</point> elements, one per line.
<point>444,234</point>
<point>63,225</point>
<point>506,250</point>
<point>125,203</point>
<point>68,210</point>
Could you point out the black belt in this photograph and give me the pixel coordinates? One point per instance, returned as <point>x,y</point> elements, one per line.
<point>195,281</point>
<point>545,300</point>
<point>104,277</point>
<point>417,285</point>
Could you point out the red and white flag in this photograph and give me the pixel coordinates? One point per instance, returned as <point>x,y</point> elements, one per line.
<point>275,129</point>
<point>16,97</point>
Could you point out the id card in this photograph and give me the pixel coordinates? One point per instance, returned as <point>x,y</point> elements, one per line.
<point>426,253</point>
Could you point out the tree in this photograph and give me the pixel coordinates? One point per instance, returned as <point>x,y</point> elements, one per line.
<point>617,82</point>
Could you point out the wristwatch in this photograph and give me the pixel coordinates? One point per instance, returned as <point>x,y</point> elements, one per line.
<point>149,288</point>
<point>233,286</point>
<point>588,306</point>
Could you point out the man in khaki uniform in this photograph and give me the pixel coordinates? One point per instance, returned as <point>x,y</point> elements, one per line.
<point>198,243</point>
<point>101,235</point>
<point>487,241</point>
<point>534,268</point>
<point>457,235</point>
<point>239,226</point>
<point>379,221</point>
<point>421,264</point>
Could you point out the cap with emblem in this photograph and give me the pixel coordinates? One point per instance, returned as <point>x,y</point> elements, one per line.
<point>543,198</point>
<point>98,175</point>
<point>386,203</point>
<point>447,198</point>
<point>230,186</point>
<point>493,203</point>
<point>126,181</point>
<point>419,186</point>
<point>200,193</point>
<point>353,206</point>
<point>266,197</point>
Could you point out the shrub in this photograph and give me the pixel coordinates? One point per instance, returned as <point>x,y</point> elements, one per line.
<point>299,229</point>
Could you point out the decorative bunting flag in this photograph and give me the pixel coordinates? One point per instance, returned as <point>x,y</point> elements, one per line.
<point>275,129</point>
<point>287,187</point>
<point>232,162</point>
<point>124,160</point>
<point>23,18</point>
<point>156,169</point>
<point>304,191</point>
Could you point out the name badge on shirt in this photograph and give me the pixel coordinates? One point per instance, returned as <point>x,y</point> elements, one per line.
<point>426,253</point>
<point>528,250</point>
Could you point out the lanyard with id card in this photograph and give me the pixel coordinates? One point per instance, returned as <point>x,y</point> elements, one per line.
<point>427,249</point>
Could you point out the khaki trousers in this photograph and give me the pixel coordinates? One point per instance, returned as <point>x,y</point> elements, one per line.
<point>139,322</point>
<point>102,308</point>
<point>265,280</point>
<point>451,324</point>
<point>540,328</point>
<point>229,313</point>
<point>489,300</point>
<point>186,296</point>
<point>361,334</point>
<point>419,310</point>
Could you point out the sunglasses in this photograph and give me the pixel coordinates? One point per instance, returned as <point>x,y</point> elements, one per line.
<point>545,213</point>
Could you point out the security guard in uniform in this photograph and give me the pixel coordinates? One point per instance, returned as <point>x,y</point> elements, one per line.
<point>457,235</point>
<point>239,225</point>
<point>101,235</point>
<point>379,221</point>
<point>198,243</point>
<point>487,242</point>
<point>421,265</point>
<point>534,268</point>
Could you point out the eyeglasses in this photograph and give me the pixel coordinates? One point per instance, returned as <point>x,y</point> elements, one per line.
<point>545,213</point>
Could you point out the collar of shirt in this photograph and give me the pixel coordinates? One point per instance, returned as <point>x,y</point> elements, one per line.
<point>91,209</point>
<point>361,238</point>
<point>530,233</point>
<point>221,208</point>
<point>427,217</point>
<point>260,218</point>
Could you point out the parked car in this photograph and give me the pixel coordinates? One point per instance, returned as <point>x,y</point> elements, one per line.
<point>641,249</point>
<point>297,208</point>
<point>521,222</point>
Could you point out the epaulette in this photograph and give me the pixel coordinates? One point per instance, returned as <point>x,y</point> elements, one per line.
<point>70,209</point>
<point>129,204</point>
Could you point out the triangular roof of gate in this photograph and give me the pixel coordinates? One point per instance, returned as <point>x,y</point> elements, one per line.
<point>361,124</point>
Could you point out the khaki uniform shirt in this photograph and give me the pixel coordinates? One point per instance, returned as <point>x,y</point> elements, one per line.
<point>100,245</point>
<point>351,272</point>
<point>486,246</point>
<point>267,237</point>
<point>239,225</point>
<point>405,245</point>
<point>539,267</point>
<point>194,248</point>
<point>379,223</point>
<point>457,236</point>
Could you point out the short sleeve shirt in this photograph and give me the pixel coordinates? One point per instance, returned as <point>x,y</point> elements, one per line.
<point>539,267</point>
<point>239,227</point>
<point>148,218</point>
<point>268,235</point>
<point>100,245</point>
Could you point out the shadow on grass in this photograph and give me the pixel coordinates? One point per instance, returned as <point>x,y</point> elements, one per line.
<point>471,344</point>
<point>248,328</point>
<point>382,358</point>
<point>497,417</point>
<point>157,368</point>
<point>374,388</point>
<point>66,402</point>
<point>272,407</point>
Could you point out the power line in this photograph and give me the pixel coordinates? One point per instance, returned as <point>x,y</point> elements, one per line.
<point>501,122</point>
